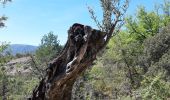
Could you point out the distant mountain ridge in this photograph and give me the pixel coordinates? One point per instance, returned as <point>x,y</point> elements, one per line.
<point>21,48</point>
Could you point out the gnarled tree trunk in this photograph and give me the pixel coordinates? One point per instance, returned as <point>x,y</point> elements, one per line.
<point>78,54</point>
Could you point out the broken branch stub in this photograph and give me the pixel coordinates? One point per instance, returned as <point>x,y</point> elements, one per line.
<point>80,51</point>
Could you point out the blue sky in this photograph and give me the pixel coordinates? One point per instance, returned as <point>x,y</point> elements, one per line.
<point>29,20</point>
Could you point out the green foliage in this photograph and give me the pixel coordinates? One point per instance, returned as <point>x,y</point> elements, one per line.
<point>155,88</point>
<point>4,56</point>
<point>145,24</point>
<point>48,48</point>
<point>112,72</point>
<point>129,67</point>
<point>4,79</point>
<point>159,44</point>
<point>157,53</point>
<point>3,46</point>
<point>20,87</point>
<point>18,55</point>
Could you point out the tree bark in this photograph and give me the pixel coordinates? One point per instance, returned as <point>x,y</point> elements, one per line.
<point>80,51</point>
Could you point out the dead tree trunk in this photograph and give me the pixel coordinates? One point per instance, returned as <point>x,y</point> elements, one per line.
<point>78,54</point>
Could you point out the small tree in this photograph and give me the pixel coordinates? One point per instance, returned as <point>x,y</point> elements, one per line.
<point>3,76</point>
<point>48,48</point>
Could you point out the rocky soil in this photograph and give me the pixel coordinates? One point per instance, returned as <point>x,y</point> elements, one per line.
<point>19,66</point>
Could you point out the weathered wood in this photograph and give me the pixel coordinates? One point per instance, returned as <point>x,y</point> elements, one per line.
<point>78,54</point>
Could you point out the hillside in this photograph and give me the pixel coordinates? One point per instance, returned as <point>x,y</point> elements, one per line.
<point>19,66</point>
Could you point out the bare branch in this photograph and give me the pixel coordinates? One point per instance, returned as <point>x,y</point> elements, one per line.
<point>94,18</point>
<point>113,13</point>
<point>118,15</point>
